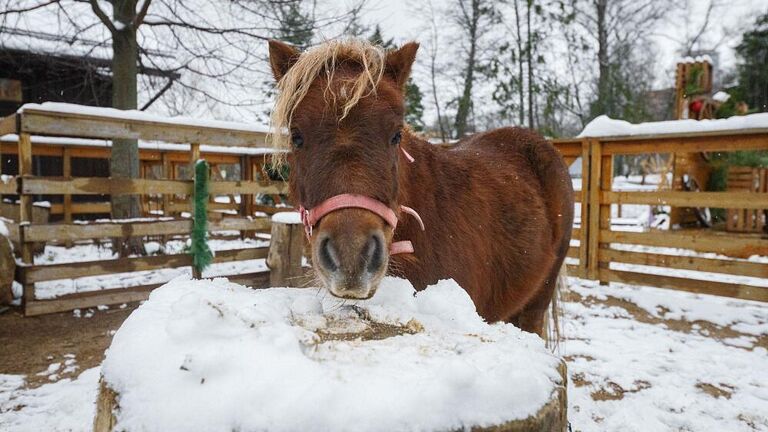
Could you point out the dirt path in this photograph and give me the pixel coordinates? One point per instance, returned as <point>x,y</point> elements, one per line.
<point>28,345</point>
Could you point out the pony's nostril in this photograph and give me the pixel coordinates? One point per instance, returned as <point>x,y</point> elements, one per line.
<point>374,253</point>
<point>328,257</point>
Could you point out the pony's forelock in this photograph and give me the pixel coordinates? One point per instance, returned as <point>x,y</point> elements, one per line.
<point>294,85</point>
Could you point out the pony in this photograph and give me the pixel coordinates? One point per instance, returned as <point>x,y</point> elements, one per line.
<point>494,212</point>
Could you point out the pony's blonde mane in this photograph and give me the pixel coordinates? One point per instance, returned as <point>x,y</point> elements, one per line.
<point>323,59</point>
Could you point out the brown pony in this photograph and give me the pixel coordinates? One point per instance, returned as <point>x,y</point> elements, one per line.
<point>497,207</point>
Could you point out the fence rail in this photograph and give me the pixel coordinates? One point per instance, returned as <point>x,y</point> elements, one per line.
<point>28,233</point>
<point>603,249</point>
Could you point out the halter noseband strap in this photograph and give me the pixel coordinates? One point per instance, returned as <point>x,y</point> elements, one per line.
<point>311,217</point>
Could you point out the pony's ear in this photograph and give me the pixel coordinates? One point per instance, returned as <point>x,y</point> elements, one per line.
<point>281,57</point>
<point>399,63</point>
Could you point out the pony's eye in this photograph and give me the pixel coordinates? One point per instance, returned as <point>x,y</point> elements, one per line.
<point>297,139</point>
<point>396,138</point>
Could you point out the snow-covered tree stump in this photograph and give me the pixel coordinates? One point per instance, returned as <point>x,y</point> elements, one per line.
<point>216,356</point>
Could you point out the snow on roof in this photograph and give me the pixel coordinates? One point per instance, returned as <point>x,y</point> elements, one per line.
<point>214,355</point>
<point>58,107</point>
<point>697,59</point>
<point>144,145</point>
<point>604,126</point>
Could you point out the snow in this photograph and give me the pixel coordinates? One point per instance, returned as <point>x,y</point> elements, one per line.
<point>646,374</point>
<point>697,59</point>
<point>66,108</point>
<point>287,217</point>
<point>3,229</point>
<point>65,405</point>
<point>630,375</point>
<point>213,355</point>
<point>604,126</point>
<point>721,96</point>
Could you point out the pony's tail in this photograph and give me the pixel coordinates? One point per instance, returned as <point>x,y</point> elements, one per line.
<point>553,317</point>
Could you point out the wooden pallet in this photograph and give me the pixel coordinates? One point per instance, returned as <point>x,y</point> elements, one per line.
<point>746,179</point>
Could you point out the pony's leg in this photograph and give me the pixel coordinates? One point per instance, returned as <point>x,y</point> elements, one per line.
<point>531,318</point>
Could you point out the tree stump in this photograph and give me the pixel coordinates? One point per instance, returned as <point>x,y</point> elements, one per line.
<point>286,249</point>
<point>301,362</point>
<point>552,417</point>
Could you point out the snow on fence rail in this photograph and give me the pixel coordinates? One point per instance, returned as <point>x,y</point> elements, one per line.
<point>64,120</point>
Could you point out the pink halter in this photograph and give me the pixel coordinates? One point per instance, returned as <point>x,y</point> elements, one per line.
<point>311,217</point>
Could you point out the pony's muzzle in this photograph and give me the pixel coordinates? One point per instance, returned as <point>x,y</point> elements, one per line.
<point>349,252</point>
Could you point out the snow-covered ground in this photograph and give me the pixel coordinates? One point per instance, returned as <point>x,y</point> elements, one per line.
<point>639,359</point>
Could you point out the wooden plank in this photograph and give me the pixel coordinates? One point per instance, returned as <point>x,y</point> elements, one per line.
<point>89,299</point>
<point>739,268</point>
<point>245,187</point>
<point>83,208</point>
<point>8,186</point>
<point>102,186</point>
<point>740,291</point>
<point>593,224</point>
<point>81,125</point>
<point>727,244</point>
<point>240,254</point>
<point>688,143</point>
<point>573,252</point>
<point>67,173</point>
<point>253,280</point>
<point>42,273</point>
<point>33,233</point>
<point>76,231</point>
<point>584,235</point>
<point>734,200</point>
<point>239,224</point>
<point>25,210</point>
<point>9,125</point>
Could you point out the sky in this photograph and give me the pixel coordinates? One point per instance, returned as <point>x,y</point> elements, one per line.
<point>399,19</point>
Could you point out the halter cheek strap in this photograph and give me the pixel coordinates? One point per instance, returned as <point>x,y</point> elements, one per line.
<point>311,217</point>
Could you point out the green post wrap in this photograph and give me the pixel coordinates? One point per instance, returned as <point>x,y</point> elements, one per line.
<point>201,253</point>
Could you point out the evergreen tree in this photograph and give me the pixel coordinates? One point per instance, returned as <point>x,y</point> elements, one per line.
<point>414,108</point>
<point>753,69</point>
<point>296,25</point>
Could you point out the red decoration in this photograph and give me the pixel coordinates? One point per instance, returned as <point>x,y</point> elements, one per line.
<point>696,106</point>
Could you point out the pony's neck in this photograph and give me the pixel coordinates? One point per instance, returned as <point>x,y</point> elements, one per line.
<point>416,179</point>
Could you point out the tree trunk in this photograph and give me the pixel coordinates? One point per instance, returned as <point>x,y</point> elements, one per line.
<point>520,61</point>
<point>124,162</point>
<point>529,55</point>
<point>465,102</point>
<point>603,80</point>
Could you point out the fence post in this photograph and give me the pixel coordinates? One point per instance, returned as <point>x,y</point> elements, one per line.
<point>585,198</point>
<point>286,249</point>
<point>25,212</point>
<point>194,155</point>
<point>601,179</point>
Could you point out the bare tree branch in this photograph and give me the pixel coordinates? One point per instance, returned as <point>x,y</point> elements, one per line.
<point>29,9</point>
<point>142,14</point>
<point>103,16</point>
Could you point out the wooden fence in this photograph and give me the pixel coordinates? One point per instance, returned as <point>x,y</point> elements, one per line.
<point>601,245</point>
<point>598,252</point>
<point>26,233</point>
